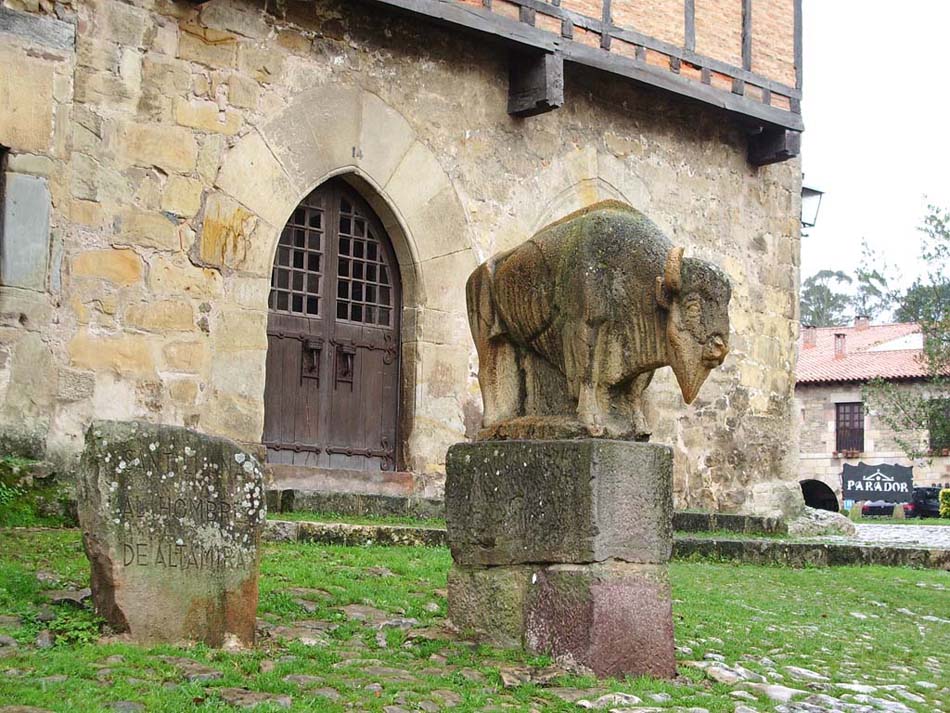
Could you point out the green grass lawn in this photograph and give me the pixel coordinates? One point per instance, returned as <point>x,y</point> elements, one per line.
<point>874,626</point>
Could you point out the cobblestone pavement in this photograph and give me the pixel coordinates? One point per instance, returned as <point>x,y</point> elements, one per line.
<point>931,536</point>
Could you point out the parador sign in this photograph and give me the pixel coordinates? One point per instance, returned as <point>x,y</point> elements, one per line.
<point>888,482</point>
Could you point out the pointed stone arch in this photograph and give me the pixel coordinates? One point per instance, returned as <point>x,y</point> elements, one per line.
<point>342,131</point>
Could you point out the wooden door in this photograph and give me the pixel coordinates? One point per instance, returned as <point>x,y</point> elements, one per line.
<point>332,388</point>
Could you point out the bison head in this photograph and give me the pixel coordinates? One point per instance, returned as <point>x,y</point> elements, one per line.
<point>695,295</point>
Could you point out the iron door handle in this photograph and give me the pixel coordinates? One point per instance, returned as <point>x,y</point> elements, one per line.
<point>345,365</point>
<point>310,363</point>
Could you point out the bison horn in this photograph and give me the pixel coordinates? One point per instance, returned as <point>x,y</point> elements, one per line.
<point>673,271</point>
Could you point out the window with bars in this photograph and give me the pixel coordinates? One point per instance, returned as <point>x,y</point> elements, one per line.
<point>297,278</point>
<point>849,426</point>
<point>364,289</point>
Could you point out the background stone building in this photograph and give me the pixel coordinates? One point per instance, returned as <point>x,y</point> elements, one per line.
<point>164,162</point>
<point>834,365</point>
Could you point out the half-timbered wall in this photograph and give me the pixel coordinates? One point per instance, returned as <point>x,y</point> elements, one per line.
<point>747,48</point>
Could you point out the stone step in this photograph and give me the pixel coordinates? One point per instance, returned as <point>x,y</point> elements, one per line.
<point>361,504</point>
<point>337,533</point>
<point>808,554</point>
<point>357,504</point>
<point>750,551</point>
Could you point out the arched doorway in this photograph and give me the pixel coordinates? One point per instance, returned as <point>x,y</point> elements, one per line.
<point>331,395</point>
<point>818,495</point>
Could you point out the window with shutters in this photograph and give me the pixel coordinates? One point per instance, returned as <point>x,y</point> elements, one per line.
<point>849,427</point>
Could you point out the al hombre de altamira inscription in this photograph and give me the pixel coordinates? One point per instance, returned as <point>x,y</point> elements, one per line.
<point>172,523</point>
<point>170,509</point>
<point>178,555</point>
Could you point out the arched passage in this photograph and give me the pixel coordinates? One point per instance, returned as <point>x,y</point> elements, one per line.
<point>819,495</point>
<point>331,397</point>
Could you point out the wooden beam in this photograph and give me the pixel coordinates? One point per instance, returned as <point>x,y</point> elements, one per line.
<point>535,83</point>
<point>606,22</point>
<point>773,145</point>
<point>689,28</point>
<point>646,73</point>
<point>798,45</point>
<point>747,35</point>
<point>480,19</point>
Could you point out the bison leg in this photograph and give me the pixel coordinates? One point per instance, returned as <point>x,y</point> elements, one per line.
<point>500,381</point>
<point>498,373</point>
<point>583,359</point>
<point>638,427</point>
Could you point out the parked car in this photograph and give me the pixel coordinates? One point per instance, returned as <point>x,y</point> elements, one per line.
<point>925,502</point>
<point>878,508</point>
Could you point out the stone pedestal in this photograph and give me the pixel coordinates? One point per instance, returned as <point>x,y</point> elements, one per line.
<point>562,547</point>
<point>171,523</point>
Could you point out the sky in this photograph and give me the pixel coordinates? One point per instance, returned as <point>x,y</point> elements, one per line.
<point>876,128</point>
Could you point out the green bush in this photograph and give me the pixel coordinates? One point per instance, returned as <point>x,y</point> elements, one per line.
<point>76,626</point>
<point>945,502</point>
<point>26,502</point>
<point>9,493</point>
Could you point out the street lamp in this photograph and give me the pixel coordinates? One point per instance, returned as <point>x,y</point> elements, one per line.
<point>811,202</point>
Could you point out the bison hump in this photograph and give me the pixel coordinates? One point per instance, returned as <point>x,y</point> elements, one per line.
<point>523,288</point>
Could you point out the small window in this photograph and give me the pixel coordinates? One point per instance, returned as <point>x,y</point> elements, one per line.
<point>849,427</point>
<point>938,423</point>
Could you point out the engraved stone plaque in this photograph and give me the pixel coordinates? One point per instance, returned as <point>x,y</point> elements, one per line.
<point>171,523</point>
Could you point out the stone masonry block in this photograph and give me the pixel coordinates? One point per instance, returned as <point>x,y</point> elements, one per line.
<point>172,149</point>
<point>318,133</point>
<point>24,231</point>
<point>46,31</point>
<point>120,267</point>
<point>489,602</point>
<point>26,95</point>
<point>252,175</point>
<point>614,618</point>
<point>513,502</point>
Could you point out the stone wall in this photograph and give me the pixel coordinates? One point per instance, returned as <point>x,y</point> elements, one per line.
<point>816,407</point>
<point>175,139</point>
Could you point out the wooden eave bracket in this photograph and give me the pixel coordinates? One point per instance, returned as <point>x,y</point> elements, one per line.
<point>535,83</point>
<point>773,144</point>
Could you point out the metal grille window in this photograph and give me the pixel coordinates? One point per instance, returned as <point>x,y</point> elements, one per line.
<point>364,290</point>
<point>849,426</point>
<point>296,281</point>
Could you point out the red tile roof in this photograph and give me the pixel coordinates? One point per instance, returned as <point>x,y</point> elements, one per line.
<point>817,364</point>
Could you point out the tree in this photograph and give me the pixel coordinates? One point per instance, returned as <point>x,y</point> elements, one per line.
<point>911,412</point>
<point>919,297</point>
<point>822,305</point>
<point>872,297</point>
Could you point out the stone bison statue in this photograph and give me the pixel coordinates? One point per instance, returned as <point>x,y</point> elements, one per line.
<point>570,326</point>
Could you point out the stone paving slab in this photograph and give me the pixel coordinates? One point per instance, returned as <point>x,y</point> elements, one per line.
<point>927,536</point>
